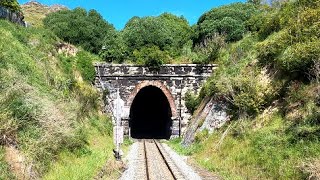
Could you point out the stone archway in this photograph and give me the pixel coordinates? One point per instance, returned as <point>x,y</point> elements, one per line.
<point>174,80</point>
<point>159,85</point>
<point>150,111</point>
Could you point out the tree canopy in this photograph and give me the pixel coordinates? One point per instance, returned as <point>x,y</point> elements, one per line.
<point>226,20</point>
<point>87,29</point>
<point>166,31</point>
<point>10,4</point>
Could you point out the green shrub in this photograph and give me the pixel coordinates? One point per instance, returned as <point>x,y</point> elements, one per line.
<point>271,48</point>
<point>84,64</point>
<point>226,20</point>
<point>306,3</point>
<point>151,57</point>
<point>201,136</point>
<point>252,92</point>
<point>208,51</point>
<point>43,106</point>
<point>299,58</point>
<point>191,102</point>
<point>167,31</point>
<point>86,29</point>
<point>245,87</point>
<point>271,24</point>
<point>294,49</point>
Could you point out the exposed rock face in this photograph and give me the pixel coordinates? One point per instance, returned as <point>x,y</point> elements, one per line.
<point>67,49</point>
<point>14,17</point>
<point>46,9</point>
<point>216,117</point>
<point>200,114</point>
<point>211,115</point>
<point>57,7</point>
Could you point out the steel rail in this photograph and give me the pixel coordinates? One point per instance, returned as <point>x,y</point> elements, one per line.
<point>165,160</point>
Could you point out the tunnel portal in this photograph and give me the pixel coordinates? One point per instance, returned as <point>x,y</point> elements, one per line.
<point>150,115</point>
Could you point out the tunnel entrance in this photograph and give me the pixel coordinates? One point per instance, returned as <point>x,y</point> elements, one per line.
<point>150,115</point>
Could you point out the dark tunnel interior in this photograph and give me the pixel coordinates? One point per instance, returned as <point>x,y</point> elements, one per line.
<point>150,115</point>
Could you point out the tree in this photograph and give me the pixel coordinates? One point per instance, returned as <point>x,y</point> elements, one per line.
<point>11,4</point>
<point>151,56</point>
<point>114,48</point>
<point>87,29</point>
<point>226,20</point>
<point>167,31</point>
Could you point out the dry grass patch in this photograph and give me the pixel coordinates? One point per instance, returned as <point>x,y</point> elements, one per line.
<point>312,168</point>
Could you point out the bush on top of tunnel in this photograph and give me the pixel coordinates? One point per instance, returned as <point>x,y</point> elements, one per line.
<point>151,56</point>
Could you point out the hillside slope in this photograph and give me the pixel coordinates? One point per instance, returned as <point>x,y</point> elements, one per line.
<point>270,82</point>
<point>35,12</point>
<point>48,109</point>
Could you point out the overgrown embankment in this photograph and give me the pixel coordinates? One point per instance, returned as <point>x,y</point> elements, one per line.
<point>269,80</point>
<point>49,111</point>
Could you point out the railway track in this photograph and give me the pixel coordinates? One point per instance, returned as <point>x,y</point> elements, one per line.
<point>155,163</point>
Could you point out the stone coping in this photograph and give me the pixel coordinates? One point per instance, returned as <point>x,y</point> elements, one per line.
<point>164,65</point>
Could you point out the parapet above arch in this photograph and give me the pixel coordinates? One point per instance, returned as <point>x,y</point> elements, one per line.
<point>159,85</point>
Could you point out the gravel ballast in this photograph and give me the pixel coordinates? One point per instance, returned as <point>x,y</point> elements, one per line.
<point>135,162</point>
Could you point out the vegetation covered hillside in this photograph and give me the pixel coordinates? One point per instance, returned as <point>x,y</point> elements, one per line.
<point>49,112</point>
<point>268,76</point>
<point>269,79</point>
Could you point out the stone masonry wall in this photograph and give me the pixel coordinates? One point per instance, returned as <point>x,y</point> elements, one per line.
<point>173,80</point>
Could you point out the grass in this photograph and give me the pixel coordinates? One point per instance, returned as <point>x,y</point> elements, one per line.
<point>46,99</point>
<point>263,143</point>
<point>251,151</point>
<point>186,151</point>
<point>5,173</point>
<point>85,163</point>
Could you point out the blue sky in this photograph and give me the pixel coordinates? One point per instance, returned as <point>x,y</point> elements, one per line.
<point>118,12</point>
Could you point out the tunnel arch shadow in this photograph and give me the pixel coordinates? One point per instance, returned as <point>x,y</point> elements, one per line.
<point>150,114</point>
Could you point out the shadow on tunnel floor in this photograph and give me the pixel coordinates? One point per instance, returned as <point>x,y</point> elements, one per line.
<point>150,137</point>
